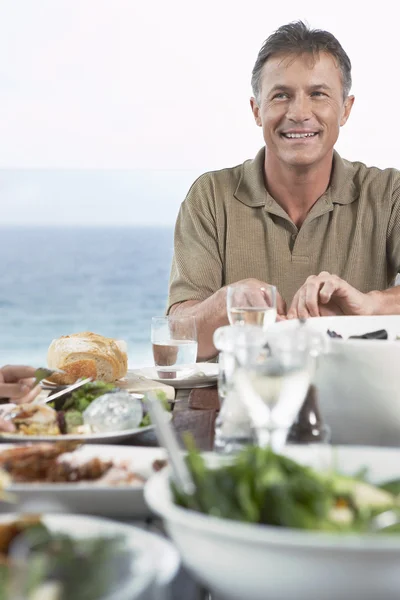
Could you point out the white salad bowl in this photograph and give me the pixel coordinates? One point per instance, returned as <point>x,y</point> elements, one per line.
<point>238,561</point>
<point>358,381</point>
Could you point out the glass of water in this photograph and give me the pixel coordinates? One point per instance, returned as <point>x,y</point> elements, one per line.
<point>250,305</point>
<point>174,343</point>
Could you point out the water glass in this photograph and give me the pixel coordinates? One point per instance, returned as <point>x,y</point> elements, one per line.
<point>237,346</point>
<point>250,305</point>
<point>174,343</point>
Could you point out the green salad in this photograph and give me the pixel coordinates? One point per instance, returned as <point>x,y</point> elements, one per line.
<point>259,486</point>
<point>77,569</point>
<point>70,408</point>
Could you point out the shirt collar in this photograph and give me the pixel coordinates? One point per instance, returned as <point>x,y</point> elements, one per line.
<point>251,188</point>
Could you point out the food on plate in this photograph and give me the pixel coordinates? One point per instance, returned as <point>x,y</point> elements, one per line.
<point>380,334</point>
<point>87,354</point>
<point>35,419</point>
<point>57,463</point>
<point>66,415</point>
<point>59,566</point>
<point>259,486</point>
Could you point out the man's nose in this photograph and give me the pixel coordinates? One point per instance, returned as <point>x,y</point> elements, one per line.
<point>299,109</point>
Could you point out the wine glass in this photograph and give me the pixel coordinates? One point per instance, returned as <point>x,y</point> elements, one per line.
<point>274,387</point>
<point>174,344</point>
<point>250,305</point>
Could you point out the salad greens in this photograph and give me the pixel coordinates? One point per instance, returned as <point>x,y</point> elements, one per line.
<point>162,397</point>
<point>259,486</point>
<point>71,406</point>
<point>84,569</point>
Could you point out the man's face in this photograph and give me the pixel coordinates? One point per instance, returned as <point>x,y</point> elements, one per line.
<point>301,107</point>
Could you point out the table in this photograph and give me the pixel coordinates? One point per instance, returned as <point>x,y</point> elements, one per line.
<point>195,411</point>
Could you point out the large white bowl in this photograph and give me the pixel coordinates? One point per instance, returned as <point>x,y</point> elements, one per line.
<point>238,561</point>
<point>358,381</point>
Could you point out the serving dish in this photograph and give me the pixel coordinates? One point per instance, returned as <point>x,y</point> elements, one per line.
<point>239,560</point>
<point>357,381</point>
<point>105,498</point>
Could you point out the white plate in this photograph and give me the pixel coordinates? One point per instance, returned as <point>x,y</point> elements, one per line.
<point>94,498</point>
<point>154,559</point>
<point>202,375</point>
<point>90,438</point>
<point>110,437</point>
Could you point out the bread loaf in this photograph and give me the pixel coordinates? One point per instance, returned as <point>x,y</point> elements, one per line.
<point>87,355</point>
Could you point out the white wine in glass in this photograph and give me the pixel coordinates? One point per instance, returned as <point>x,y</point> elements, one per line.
<point>249,305</point>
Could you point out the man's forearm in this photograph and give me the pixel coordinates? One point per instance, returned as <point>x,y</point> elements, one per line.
<point>386,302</point>
<point>210,314</point>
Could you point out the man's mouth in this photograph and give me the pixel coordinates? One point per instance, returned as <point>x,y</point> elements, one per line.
<point>292,136</point>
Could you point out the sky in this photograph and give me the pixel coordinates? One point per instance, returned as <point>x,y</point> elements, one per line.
<point>109,109</point>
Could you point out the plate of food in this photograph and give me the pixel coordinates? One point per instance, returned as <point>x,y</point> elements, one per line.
<point>200,375</point>
<point>101,480</point>
<point>96,412</point>
<point>85,558</point>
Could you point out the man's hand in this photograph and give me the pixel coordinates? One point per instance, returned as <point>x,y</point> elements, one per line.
<point>18,383</point>
<point>327,295</point>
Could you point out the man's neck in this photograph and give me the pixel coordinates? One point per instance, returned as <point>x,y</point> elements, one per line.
<point>296,190</point>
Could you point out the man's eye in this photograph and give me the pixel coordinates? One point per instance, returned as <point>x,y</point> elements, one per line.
<point>280,96</point>
<point>317,94</point>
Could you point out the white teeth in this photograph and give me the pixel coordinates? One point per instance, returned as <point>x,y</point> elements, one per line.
<point>299,135</point>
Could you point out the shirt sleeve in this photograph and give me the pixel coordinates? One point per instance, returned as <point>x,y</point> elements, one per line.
<point>393,239</point>
<point>197,267</point>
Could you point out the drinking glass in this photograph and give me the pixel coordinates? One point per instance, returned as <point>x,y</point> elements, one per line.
<point>174,343</point>
<point>251,305</point>
<point>236,345</point>
<point>274,389</point>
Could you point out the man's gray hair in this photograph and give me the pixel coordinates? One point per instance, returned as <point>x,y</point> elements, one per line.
<point>297,38</point>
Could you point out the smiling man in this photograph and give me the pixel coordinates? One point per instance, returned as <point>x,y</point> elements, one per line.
<point>323,230</point>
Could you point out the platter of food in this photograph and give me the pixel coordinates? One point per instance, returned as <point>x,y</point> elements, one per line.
<point>96,412</point>
<point>101,480</point>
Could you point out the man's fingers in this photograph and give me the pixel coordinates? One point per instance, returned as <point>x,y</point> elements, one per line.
<point>280,305</point>
<point>326,291</point>
<point>31,395</point>
<point>302,309</point>
<point>13,373</point>
<point>311,299</point>
<point>292,313</point>
<point>14,390</point>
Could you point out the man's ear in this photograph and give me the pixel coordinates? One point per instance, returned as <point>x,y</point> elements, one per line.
<point>348,105</point>
<point>256,111</point>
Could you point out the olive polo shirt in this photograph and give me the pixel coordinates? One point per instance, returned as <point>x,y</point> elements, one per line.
<point>230,228</point>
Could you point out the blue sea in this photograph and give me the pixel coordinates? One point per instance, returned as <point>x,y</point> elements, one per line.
<point>57,281</point>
